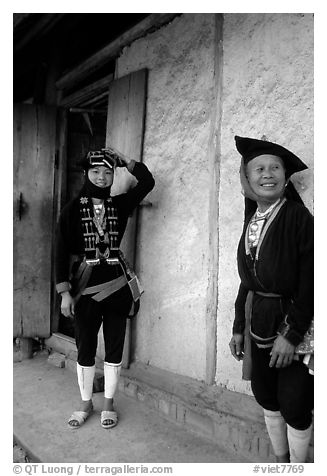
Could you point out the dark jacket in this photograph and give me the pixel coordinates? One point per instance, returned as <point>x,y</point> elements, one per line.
<point>284,266</point>
<point>69,236</point>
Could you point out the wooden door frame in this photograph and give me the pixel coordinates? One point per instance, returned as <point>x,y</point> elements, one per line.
<point>34,134</point>
<point>59,198</point>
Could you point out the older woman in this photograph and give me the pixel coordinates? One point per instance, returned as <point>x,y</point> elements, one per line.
<point>93,279</point>
<point>275,263</point>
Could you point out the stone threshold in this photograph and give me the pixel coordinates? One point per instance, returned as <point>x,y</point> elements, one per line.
<point>231,419</point>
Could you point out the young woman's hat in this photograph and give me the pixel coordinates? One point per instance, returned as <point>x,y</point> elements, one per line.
<point>102,157</point>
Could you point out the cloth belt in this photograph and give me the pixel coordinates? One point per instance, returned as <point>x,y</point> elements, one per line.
<point>269,295</point>
<point>247,359</point>
<point>104,290</point>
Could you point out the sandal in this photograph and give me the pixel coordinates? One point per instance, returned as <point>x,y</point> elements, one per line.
<point>108,416</point>
<point>80,417</point>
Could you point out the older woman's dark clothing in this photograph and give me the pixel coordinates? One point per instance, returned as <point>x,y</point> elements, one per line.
<point>281,264</point>
<point>279,270</point>
<point>274,305</point>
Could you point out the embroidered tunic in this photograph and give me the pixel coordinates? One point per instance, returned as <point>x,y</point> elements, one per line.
<point>281,264</point>
<point>71,234</point>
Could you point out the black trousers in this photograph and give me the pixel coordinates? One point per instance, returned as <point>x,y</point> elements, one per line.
<point>289,390</point>
<point>112,312</point>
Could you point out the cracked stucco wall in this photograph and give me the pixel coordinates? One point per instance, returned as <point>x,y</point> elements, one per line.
<point>267,89</point>
<point>172,253</point>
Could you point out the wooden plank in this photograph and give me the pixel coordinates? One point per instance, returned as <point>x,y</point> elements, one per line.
<point>125,131</point>
<point>111,51</point>
<point>26,348</point>
<point>59,193</point>
<point>34,153</point>
<point>87,92</point>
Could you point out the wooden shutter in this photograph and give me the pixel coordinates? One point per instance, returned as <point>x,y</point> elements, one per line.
<point>34,159</point>
<point>125,131</point>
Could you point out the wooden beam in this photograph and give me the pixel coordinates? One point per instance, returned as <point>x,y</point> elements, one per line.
<point>111,51</point>
<point>19,17</point>
<point>86,93</point>
<point>80,110</point>
<point>46,22</point>
<point>94,100</point>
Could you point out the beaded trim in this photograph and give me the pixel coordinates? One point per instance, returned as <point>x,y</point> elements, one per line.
<point>100,234</point>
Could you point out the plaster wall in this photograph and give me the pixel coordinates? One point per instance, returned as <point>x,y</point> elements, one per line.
<point>267,90</point>
<point>173,239</point>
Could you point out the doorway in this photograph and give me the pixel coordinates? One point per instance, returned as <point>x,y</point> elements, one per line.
<point>85,131</point>
<point>122,125</point>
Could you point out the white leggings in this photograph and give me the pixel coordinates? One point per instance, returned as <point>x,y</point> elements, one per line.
<point>285,438</point>
<point>85,377</point>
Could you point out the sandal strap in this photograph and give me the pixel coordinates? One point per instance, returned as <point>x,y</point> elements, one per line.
<point>109,415</point>
<point>79,416</point>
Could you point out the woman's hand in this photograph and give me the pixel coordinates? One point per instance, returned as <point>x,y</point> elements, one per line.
<point>121,159</point>
<point>236,346</point>
<point>282,353</point>
<point>67,304</point>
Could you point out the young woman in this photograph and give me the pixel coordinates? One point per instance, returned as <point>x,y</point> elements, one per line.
<point>94,281</point>
<point>275,263</point>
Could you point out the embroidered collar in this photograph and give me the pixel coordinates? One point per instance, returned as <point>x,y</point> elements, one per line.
<point>257,224</point>
<point>266,213</point>
<point>269,221</point>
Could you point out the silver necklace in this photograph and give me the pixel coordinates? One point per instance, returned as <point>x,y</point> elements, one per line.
<point>98,218</point>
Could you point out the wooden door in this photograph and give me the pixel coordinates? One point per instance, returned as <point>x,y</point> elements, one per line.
<point>125,131</point>
<point>34,162</point>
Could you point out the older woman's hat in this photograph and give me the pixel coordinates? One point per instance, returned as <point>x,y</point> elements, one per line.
<point>103,157</point>
<point>251,148</point>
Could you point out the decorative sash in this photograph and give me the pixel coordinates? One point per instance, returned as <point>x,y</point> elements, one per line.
<point>100,235</point>
<point>102,291</point>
